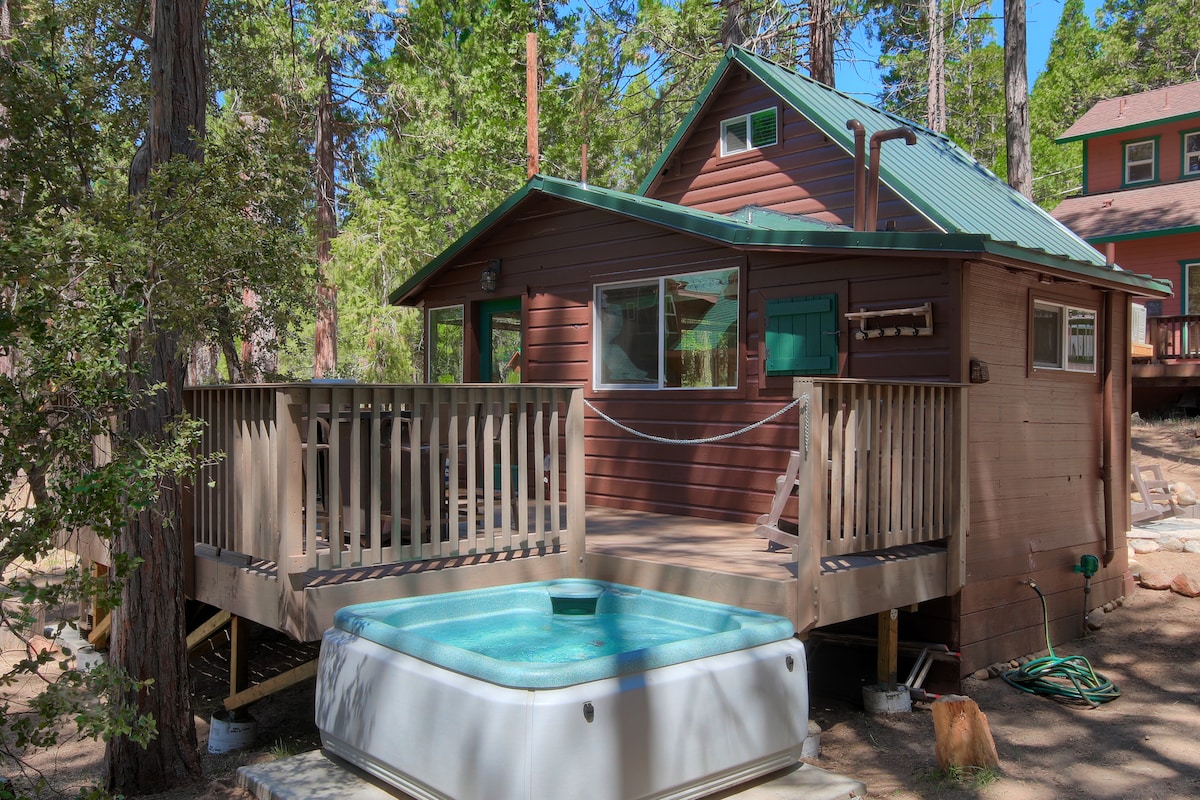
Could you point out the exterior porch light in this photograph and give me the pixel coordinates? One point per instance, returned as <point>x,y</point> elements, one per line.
<point>487,280</point>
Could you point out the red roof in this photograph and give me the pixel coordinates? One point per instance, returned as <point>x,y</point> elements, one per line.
<point>1136,110</point>
<point>1147,209</point>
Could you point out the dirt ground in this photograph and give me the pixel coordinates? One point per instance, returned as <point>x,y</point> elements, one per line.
<point>1142,745</point>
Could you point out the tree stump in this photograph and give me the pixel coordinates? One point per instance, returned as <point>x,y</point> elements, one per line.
<point>963,736</point>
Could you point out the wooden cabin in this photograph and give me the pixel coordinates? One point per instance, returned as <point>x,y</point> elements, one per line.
<point>808,291</point>
<point>1140,204</point>
<point>821,364</point>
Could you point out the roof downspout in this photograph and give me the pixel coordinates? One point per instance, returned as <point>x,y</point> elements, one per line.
<point>877,140</point>
<point>860,173</point>
<point>1106,434</point>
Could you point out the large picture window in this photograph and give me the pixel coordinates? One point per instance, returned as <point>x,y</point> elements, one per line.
<point>679,332</point>
<point>1139,161</point>
<point>749,131</point>
<point>445,356</point>
<point>1064,337</point>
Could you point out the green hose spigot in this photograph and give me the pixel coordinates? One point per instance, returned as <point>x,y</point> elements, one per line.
<point>1087,566</point>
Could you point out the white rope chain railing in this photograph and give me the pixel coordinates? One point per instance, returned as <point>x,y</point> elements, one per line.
<point>718,438</point>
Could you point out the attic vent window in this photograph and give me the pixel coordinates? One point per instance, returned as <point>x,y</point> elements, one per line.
<point>749,132</point>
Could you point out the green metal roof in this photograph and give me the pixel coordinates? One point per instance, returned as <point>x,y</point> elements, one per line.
<point>757,228</point>
<point>954,191</point>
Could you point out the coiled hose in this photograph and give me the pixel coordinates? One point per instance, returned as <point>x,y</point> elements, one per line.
<point>1070,679</point>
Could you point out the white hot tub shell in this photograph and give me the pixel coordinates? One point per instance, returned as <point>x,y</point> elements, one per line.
<point>684,730</point>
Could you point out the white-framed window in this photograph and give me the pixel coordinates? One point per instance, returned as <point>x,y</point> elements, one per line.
<point>749,131</point>
<point>445,355</point>
<point>1139,161</point>
<point>1191,153</point>
<point>1064,337</point>
<point>677,332</point>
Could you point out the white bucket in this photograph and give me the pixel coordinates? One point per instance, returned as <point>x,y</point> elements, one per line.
<point>226,734</point>
<point>879,699</point>
<point>812,745</point>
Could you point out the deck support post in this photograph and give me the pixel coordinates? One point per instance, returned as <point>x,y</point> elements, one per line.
<point>889,648</point>
<point>239,654</point>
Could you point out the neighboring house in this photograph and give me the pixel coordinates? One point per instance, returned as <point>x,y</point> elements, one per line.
<point>1140,204</point>
<point>775,251</point>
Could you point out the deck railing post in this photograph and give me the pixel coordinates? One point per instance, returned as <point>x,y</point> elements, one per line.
<point>576,511</point>
<point>289,478</point>
<point>958,482</point>
<point>810,501</point>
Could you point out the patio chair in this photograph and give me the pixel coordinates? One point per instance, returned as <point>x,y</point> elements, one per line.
<point>1154,493</point>
<point>771,526</point>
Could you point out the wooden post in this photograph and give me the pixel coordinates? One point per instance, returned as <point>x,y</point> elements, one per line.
<point>531,103</point>
<point>963,736</point>
<point>811,491</point>
<point>576,489</point>
<point>889,648</point>
<point>239,654</point>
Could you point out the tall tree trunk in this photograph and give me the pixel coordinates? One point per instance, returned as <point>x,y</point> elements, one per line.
<point>733,23</point>
<point>1016,99</point>
<point>820,47</point>
<point>325,346</point>
<point>149,630</point>
<point>935,108</point>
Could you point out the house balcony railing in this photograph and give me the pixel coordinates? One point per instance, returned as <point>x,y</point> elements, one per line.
<point>327,476</point>
<point>1174,338</point>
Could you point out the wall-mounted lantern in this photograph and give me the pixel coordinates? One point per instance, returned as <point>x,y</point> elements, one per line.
<point>487,280</point>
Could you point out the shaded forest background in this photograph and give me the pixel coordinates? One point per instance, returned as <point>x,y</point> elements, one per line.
<point>388,130</point>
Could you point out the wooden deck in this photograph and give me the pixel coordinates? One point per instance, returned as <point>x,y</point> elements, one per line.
<point>726,562</point>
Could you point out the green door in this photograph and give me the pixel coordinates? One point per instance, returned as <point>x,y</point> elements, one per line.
<point>500,341</point>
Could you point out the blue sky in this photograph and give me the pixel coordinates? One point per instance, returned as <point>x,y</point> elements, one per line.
<point>1041,18</point>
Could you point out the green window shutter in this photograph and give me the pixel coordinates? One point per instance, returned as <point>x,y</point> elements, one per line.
<point>763,130</point>
<point>801,338</point>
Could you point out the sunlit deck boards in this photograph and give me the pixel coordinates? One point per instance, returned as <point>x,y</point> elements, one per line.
<point>727,563</point>
<point>702,544</point>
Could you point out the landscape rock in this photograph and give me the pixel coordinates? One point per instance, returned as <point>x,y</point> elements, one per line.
<point>981,675</point>
<point>1184,495</point>
<point>1186,585</point>
<point>1191,547</point>
<point>1153,579</point>
<point>1144,546</point>
<point>1171,544</point>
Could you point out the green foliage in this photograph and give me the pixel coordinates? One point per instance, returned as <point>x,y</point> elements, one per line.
<point>1148,44</point>
<point>84,271</point>
<point>955,777</point>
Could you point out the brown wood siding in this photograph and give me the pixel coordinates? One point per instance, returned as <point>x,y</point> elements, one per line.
<point>866,284</point>
<point>1036,493</point>
<point>805,173</point>
<point>1160,257</point>
<point>1105,155</point>
<point>552,253</point>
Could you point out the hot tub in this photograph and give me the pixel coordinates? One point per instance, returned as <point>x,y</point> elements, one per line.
<point>622,694</point>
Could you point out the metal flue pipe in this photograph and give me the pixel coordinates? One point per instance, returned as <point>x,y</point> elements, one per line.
<point>877,140</point>
<point>860,173</point>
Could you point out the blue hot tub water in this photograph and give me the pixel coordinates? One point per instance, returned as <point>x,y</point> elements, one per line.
<point>510,635</point>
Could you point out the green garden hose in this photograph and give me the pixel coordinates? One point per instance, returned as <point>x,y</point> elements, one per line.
<point>1070,679</point>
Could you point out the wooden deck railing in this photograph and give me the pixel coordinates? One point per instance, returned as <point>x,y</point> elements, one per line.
<point>323,476</point>
<point>1175,337</point>
<point>884,466</point>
